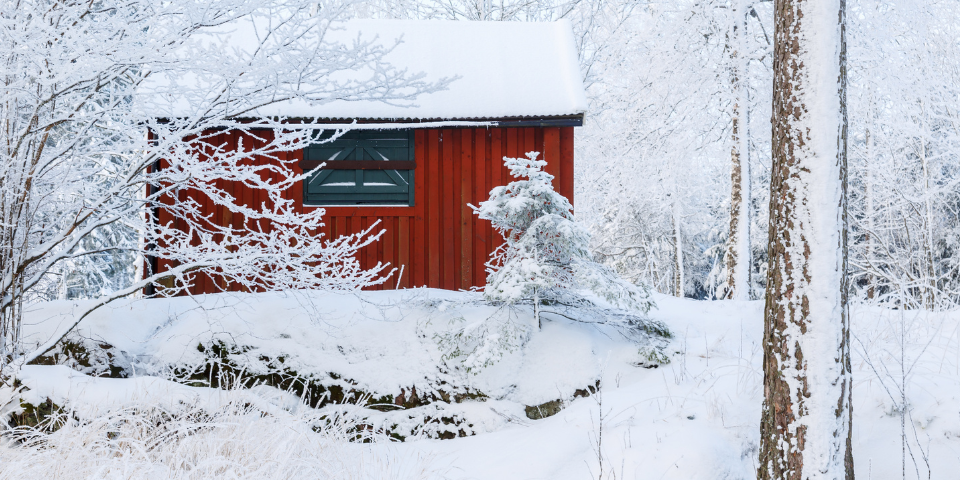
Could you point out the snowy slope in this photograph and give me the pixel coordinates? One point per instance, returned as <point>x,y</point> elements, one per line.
<point>698,417</point>
<point>694,418</point>
<point>382,341</point>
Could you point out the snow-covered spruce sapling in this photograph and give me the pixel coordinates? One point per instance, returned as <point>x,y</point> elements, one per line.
<point>546,258</point>
<point>544,261</point>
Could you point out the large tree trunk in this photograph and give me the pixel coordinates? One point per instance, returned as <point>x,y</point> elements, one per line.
<point>806,420</point>
<point>737,257</point>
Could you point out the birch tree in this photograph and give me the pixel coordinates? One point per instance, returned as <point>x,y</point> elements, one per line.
<point>655,180</point>
<point>737,258</point>
<point>805,430</point>
<point>96,95</point>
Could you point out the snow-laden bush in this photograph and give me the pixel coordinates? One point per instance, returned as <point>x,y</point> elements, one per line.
<point>546,256</point>
<point>474,343</point>
<point>239,439</point>
<point>545,262</point>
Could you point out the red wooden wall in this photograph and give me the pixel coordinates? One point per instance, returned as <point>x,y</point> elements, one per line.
<point>439,242</point>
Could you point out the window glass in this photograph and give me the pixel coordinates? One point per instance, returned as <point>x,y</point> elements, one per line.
<point>363,167</point>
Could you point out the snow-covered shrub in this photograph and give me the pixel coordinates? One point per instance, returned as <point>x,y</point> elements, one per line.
<point>9,401</point>
<point>238,439</point>
<point>546,256</point>
<point>472,342</point>
<point>480,342</point>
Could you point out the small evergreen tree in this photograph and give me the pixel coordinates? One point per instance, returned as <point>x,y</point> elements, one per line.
<point>545,257</point>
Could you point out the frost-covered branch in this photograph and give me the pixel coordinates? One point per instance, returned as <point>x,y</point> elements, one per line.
<point>112,124</point>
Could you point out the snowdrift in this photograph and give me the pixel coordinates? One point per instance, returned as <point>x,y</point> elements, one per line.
<point>694,417</point>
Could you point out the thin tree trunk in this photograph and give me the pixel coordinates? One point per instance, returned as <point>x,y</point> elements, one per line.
<point>536,308</point>
<point>737,258</point>
<point>869,214</point>
<point>929,297</point>
<point>678,279</point>
<point>806,419</point>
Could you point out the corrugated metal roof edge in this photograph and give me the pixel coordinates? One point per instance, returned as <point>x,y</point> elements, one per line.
<point>575,120</point>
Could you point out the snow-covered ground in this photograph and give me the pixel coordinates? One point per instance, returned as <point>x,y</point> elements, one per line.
<point>695,417</point>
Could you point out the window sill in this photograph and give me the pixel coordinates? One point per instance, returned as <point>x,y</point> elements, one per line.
<point>366,210</point>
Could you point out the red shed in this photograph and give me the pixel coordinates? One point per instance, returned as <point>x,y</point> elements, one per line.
<point>518,89</point>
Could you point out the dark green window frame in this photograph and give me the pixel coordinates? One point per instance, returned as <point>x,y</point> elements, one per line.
<point>363,167</point>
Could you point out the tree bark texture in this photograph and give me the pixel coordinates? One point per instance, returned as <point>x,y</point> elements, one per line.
<point>737,256</point>
<point>806,417</point>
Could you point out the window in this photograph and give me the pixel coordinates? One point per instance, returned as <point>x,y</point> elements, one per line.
<point>364,167</point>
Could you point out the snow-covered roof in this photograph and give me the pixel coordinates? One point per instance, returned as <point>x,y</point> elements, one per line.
<point>504,70</point>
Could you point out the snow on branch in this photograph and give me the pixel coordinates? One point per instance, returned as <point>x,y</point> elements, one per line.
<point>112,124</point>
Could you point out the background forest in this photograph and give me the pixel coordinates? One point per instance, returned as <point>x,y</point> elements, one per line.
<point>676,145</point>
<point>672,191</point>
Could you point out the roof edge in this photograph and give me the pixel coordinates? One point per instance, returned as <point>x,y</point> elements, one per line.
<point>575,120</point>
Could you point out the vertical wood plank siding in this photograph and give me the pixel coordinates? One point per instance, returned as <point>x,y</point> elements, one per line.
<point>439,242</point>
